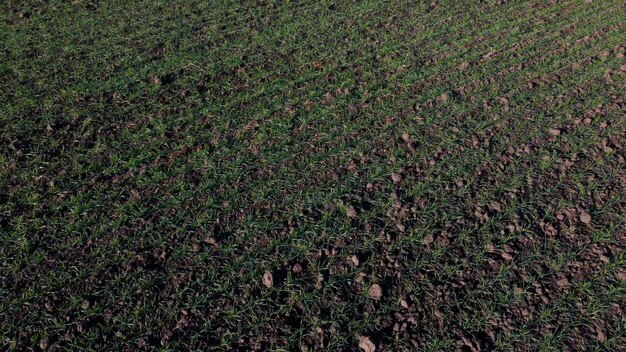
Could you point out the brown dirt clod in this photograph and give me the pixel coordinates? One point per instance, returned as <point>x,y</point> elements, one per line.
<point>601,335</point>
<point>43,343</point>
<point>506,256</point>
<point>375,292</point>
<point>585,218</point>
<point>297,268</point>
<point>355,260</point>
<point>366,345</point>
<point>351,212</point>
<point>555,131</point>
<point>268,279</point>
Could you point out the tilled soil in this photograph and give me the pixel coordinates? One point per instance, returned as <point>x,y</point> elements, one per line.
<point>341,176</point>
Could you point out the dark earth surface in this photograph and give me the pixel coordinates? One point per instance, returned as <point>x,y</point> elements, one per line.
<point>313,175</point>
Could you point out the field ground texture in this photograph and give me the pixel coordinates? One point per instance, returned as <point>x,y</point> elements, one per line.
<point>313,175</point>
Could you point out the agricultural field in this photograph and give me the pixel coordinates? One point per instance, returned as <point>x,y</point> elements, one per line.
<point>313,175</point>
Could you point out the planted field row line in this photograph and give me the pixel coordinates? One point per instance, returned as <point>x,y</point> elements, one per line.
<point>597,35</point>
<point>543,57</point>
<point>458,156</point>
<point>536,197</point>
<point>427,53</point>
<point>189,149</point>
